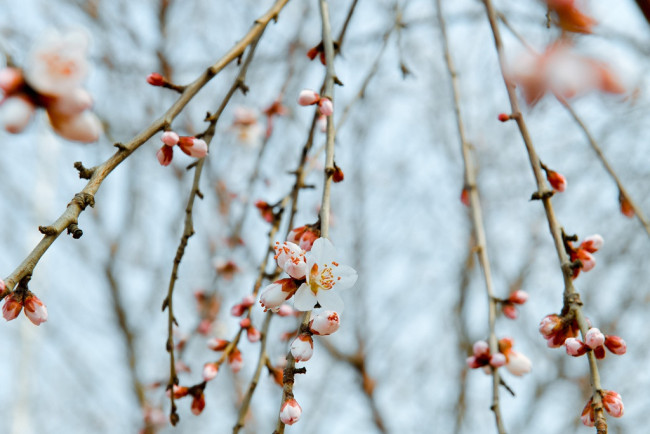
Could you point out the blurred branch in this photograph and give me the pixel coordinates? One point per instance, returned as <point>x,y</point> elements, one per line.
<point>477,220</point>
<point>86,196</point>
<point>571,296</point>
<point>644,5</point>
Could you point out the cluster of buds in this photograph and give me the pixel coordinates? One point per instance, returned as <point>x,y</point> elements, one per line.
<point>508,306</point>
<point>35,310</point>
<point>235,359</point>
<point>313,276</point>
<point>191,146</point>
<point>309,97</point>
<point>557,329</point>
<point>612,402</point>
<point>322,324</point>
<point>304,236</point>
<point>515,362</point>
<point>198,398</point>
<point>583,253</point>
<point>52,79</point>
<point>595,341</point>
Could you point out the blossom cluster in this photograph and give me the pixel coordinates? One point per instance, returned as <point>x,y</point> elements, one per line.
<point>515,362</point>
<point>309,97</point>
<point>191,146</point>
<point>583,253</point>
<point>35,310</point>
<point>51,79</point>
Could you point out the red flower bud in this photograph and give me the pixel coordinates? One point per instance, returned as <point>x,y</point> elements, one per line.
<point>155,79</point>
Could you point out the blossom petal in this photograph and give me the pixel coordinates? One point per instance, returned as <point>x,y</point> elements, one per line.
<point>330,300</point>
<point>304,298</point>
<point>323,251</point>
<point>348,276</point>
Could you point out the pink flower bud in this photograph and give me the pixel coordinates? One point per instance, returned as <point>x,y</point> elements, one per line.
<point>253,335</point>
<point>11,79</point>
<point>277,293</point>
<point>237,310</point>
<point>16,113</point>
<point>592,243</point>
<point>509,310</point>
<point>155,79</point>
<point>291,258</point>
<point>575,347</point>
<point>210,371</point>
<point>165,155</point>
<point>480,348</point>
<point>302,348</point>
<point>473,362</point>
<point>557,181</point>
<point>615,344</point>
<point>217,344</point>
<point>198,404</point>
<point>587,259</point>
<point>248,301</point>
<point>518,364</point>
<point>35,309</point>
<point>504,117</point>
<point>588,417</point>
<point>179,391</point>
<point>325,323</point>
<point>285,310</point>
<point>613,403</point>
<point>84,127</point>
<point>245,323</point>
<point>204,327</point>
<point>290,412</point>
<point>193,147</point>
<point>235,360</point>
<point>308,97</point>
<point>169,138</point>
<point>594,338</point>
<point>12,307</point>
<point>71,104</point>
<point>326,107</point>
<point>518,297</point>
<point>497,360</point>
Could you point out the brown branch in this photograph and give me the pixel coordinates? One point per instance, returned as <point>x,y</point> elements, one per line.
<point>339,41</point>
<point>571,296</point>
<point>73,210</point>
<point>644,5</point>
<point>477,219</point>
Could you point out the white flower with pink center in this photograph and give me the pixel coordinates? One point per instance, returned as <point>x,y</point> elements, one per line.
<point>324,275</point>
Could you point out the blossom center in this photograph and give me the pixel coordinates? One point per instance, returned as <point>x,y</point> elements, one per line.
<point>321,280</point>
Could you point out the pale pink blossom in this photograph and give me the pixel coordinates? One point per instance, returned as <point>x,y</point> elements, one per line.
<point>321,123</point>
<point>480,347</point>
<point>290,412</point>
<point>57,63</point>
<point>304,237</point>
<point>592,243</point>
<point>71,103</point>
<point>210,371</point>
<point>575,347</point>
<point>518,364</point>
<point>326,107</point>
<point>613,403</point>
<point>277,293</point>
<point>193,147</point>
<point>15,113</point>
<point>308,97</point>
<point>324,323</point>
<point>291,258</point>
<point>325,274</point>
<point>169,138</point>
<point>35,309</point>
<point>302,348</point>
<point>587,259</point>
<point>285,310</point>
<point>84,127</point>
<point>497,360</point>
<point>594,338</point>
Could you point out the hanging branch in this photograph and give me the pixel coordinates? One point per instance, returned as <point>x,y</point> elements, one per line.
<point>477,220</point>
<point>572,302</point>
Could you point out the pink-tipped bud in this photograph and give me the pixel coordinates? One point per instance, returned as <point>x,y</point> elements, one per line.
<point>193,147</point>
<point>302,348</point>
<point>217,344</point>
<point>325,323</point>
<point>165,155</point>
<point>248,301</point>
<point>12,307</point>
<point>326,107</point>
<point>497,360</point>
<point>509,310</point>
<point>480,347</point>
<point>587,259</point>
<point>210,371</point>
<point>557,180</point>
<point>198,404</point>
<point>170,138</point>
<point>304,237</point>
<point>308,97</point>
<point>575,347</point>
<point>594,338</point>
<point>155,79</point>
<point>518,297</point>
<point>473,362</point>
<point>588,417</point>
<point>613,403</point>
<point>11,79</point>
<point>290,412</point>
<point>616,345</point>
<point>504,117</point>
<point>245,323</point>
<point>592,243</point>
<point>179,391</point>
<point>549,325</point>
<point>277,293</point>
<point>235,360</point>
<point>35,309</point>
<point>253,335</point>
<point>204,327</point>
<point>237,310</point>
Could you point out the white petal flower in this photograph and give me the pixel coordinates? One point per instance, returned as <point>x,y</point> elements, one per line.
<point>324,274</point>
<point>291,258</point>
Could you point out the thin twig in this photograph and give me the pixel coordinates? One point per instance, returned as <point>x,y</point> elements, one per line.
<point>477,220</point>
<point>571,296</point>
